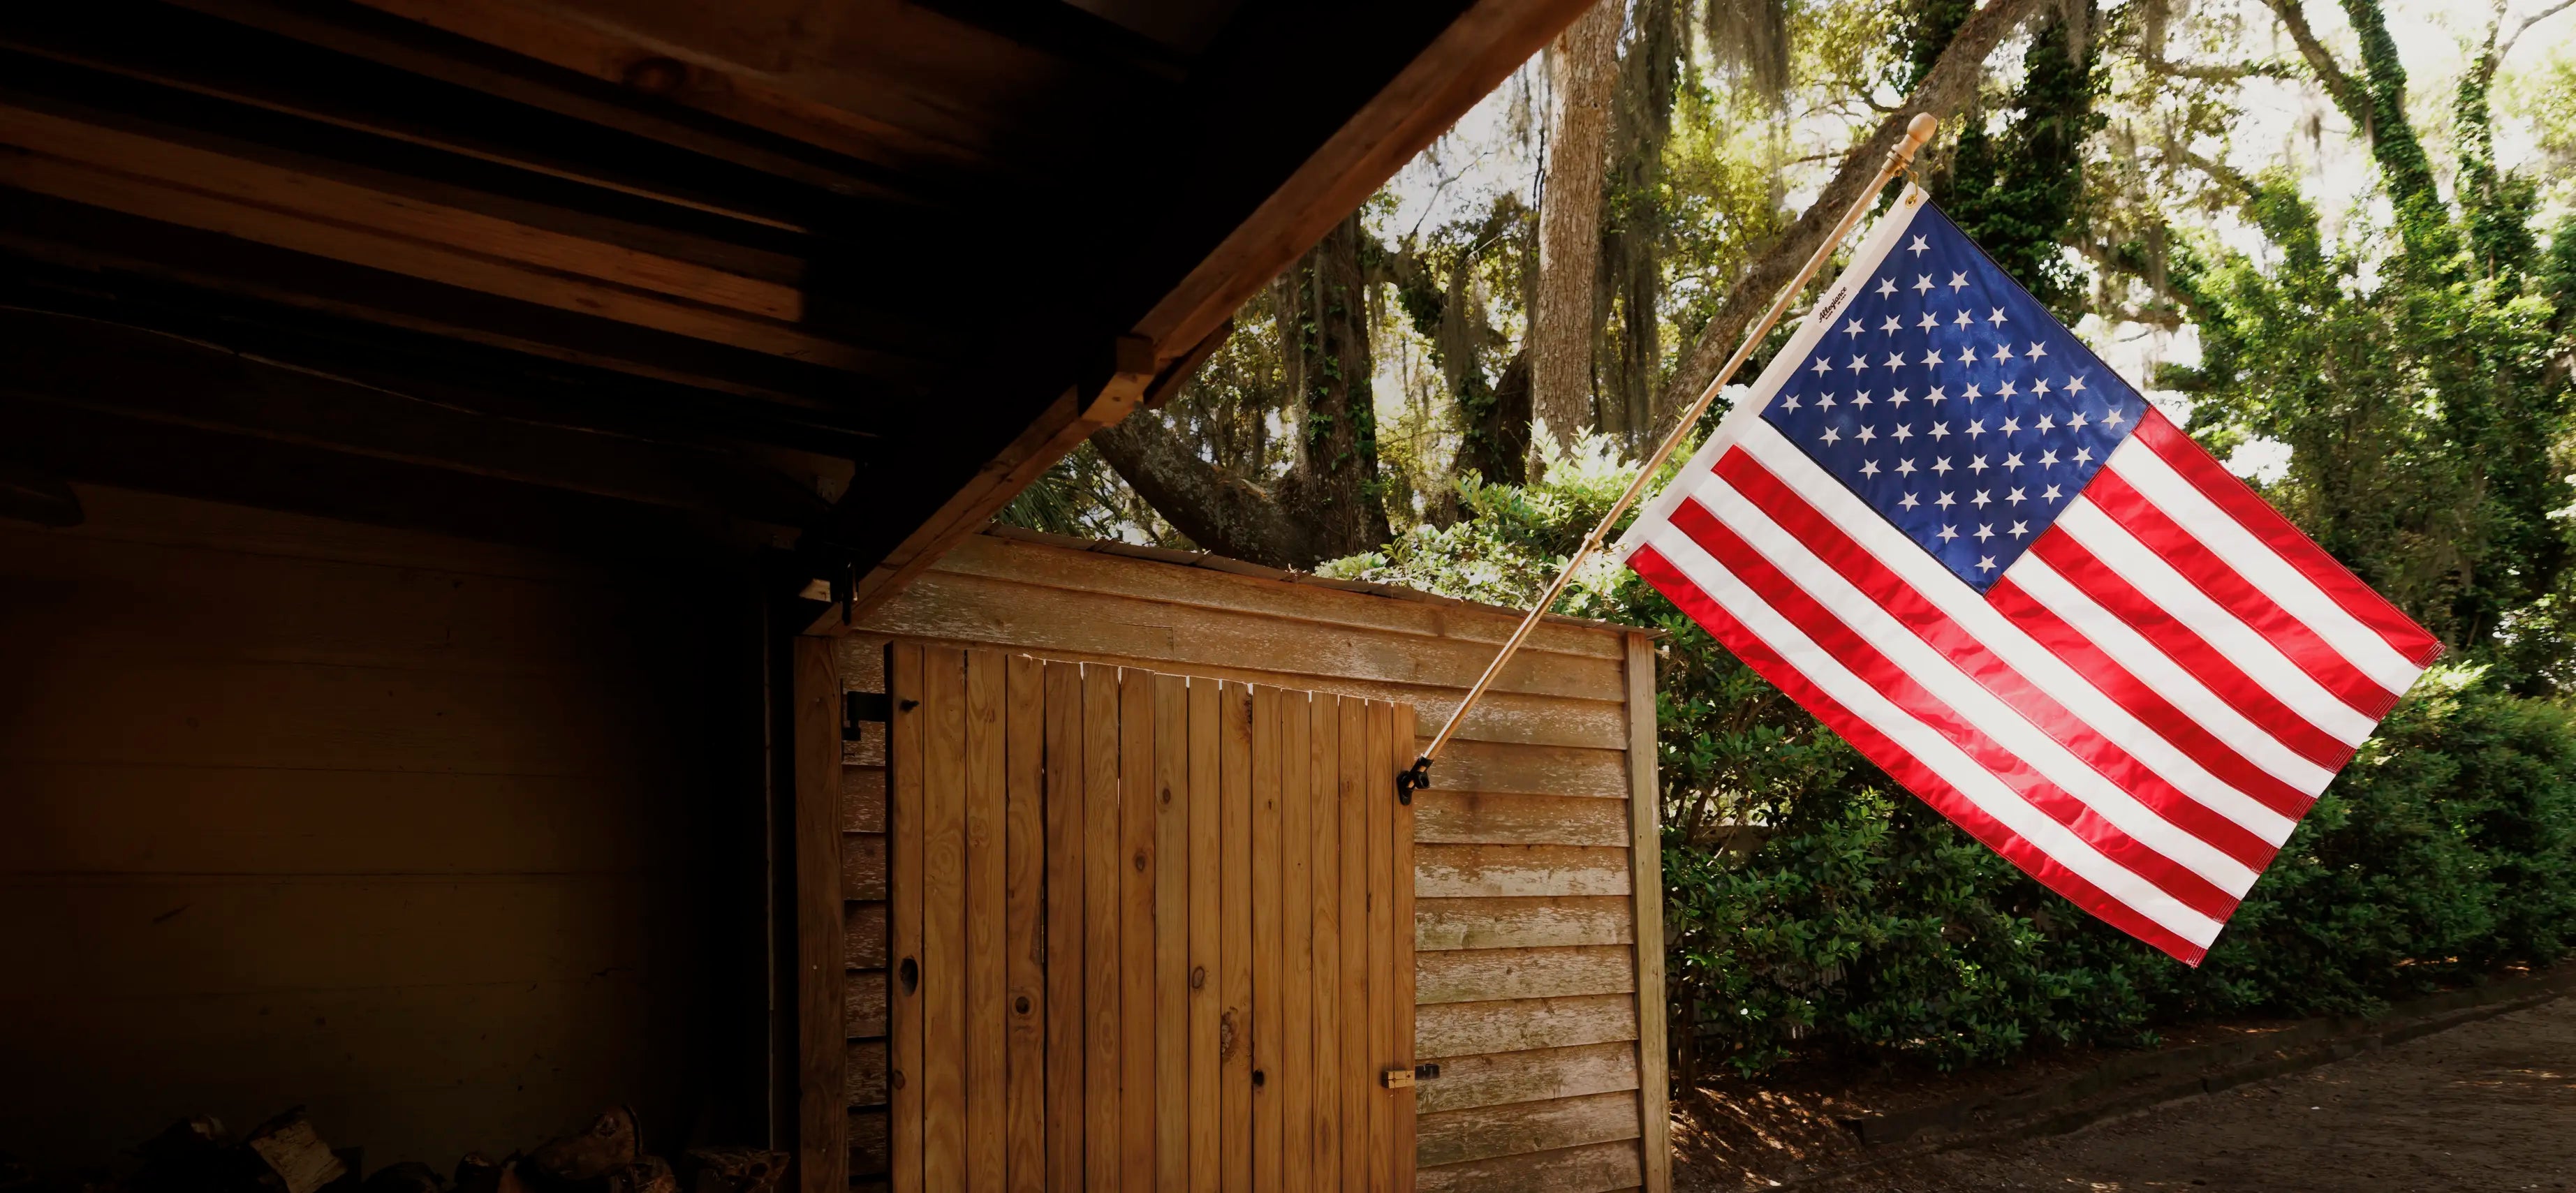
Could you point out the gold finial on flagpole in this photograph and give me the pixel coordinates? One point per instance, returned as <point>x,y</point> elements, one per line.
<point>1900,160</point>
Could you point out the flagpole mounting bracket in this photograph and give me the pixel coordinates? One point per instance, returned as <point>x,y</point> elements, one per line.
<point>1413,778</point>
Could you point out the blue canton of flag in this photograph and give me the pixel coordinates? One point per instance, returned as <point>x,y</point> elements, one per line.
<point>1953,403</point>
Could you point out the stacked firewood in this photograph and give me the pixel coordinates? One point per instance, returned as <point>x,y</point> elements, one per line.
<point>286,1155</point>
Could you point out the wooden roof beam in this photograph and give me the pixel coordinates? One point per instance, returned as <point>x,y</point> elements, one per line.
<point>1470,56</point>
<point>607,98</point>
<point>151,377</point>
<point>97,240</point>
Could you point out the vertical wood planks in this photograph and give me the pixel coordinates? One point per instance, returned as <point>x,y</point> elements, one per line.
<point>1268,750</point>
<point>1646,859</point>
<point>1206,999</point>
<point>1171,795</point>
<point>1066,926</point>
<point>1400,877</point>
<point>943,919</point>
<point>1293,1052</point>
<point>1234,878</point>
<point>1378,783</point>
<point>1324,844</point>
<point>1024,840</point>
<point>823,1117</point>
<point>1136,928</point>
<point>1101,953</point>
<point>1148,933</point>
<point>904,813</point>
<point>1357,1082</point>
<point>987,865</point>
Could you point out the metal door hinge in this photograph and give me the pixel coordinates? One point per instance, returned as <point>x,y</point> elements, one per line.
<point>1398,1078</point>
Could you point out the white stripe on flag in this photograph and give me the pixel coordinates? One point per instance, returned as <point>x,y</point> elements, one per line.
<point>1965,696</point>
<point>2188,605</point>
<point>1927,745</point>
<point>2287,586</point>
<point>2034,662</point>
<point>2131,650</point>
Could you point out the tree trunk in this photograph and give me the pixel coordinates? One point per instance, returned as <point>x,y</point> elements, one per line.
<point>1641,122</point>
<point>1330,504</point>
<point>1952,78</point>
<point>1497,440</point>
<point>1333,492</point>
<point>1218,510</point>
<point>1585,74</point>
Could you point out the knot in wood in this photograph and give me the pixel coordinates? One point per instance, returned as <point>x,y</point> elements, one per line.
<point>657,76</point>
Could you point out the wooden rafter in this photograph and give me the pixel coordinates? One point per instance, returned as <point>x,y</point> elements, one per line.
<point>155,377</point>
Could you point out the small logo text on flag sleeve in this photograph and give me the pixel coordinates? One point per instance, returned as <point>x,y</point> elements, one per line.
<point>1948,530</point>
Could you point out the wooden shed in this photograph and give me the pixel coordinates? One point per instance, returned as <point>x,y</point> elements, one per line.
<point>448,449</point>
<point>1536,897</point>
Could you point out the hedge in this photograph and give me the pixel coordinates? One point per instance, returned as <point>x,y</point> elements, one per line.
<point>1865,925</point>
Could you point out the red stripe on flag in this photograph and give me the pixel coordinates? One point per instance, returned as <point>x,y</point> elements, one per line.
<point>2143,702</point>
<point>2187,649</point>
<point>2221,582</point>
<point>2224,490</point>
<point>1938,630</point>
<point>1862,659</point>
<point>1909,772</point>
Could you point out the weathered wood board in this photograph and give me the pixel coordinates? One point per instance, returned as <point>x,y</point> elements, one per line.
<point>1528,883</point>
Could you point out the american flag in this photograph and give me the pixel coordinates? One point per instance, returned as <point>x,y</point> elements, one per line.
<point>1946,528</point>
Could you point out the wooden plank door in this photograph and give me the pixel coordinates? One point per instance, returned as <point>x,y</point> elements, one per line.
<point>1150,932</point>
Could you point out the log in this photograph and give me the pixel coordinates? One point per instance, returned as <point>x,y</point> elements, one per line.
<point>610,1142</point>
<point>650,1174</point>
<point>297,1159</point>
<point>733,1169</point>
<point>194,1153</point>
<point>476,1173</point>
<point>410,1176</point>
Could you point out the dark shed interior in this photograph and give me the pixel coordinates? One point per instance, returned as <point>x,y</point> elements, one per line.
<point>426,425</point>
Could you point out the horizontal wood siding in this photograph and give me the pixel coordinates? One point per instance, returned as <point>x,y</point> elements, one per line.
<point>1525,910</point>
<point>293,811</point>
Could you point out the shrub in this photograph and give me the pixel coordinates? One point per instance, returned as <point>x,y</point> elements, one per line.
<point>1812,905</point>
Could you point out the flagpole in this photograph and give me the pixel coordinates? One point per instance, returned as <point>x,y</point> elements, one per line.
<point>1899,156</point>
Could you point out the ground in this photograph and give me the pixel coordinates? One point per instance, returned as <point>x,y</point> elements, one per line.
<point>2489,1105</point>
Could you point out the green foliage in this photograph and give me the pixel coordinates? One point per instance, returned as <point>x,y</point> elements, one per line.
<point>1083,497</point>
<point>2017,191</point>
<point>1867,924</point>
<point>1809,903</point>
<point>2418,385</point>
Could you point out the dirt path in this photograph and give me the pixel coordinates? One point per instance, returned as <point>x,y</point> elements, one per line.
<point>2489,1105</point>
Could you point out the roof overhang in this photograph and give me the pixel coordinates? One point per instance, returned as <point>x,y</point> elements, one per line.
<point>838,277</point>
